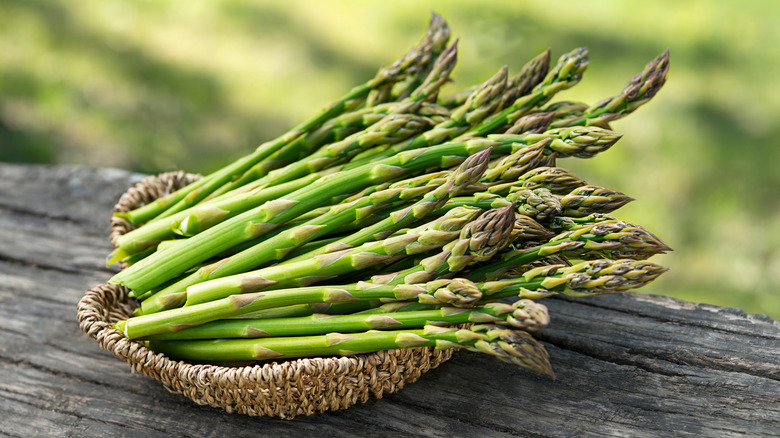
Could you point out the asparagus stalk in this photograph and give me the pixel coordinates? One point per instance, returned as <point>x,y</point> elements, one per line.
<point>334,130</point>
<point>513,346</point>
<point>639,90</point>
<point>391,129</point>
<point>308,309</point>
<point>458,292</point>
<point>585,279</point>
<point>524,314</point>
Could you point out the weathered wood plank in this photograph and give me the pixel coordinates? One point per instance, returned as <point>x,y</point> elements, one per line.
<point>629,365</point>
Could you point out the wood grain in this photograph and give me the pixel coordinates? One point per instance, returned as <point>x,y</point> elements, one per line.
<point>626,365</point>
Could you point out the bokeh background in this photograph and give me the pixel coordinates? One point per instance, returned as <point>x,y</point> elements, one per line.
<point>153,86</point>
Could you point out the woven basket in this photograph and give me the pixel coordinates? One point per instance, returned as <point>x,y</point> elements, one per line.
<point>283,388</point>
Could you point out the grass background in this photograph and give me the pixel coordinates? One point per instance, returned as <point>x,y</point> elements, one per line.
<point>158,85</point>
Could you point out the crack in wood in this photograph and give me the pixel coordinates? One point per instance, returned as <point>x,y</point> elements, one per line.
<point>65,269</point>
<point>43,215</point>
<point>650,360</point>
<point>471,421</point>
<point>18,362</point>
<point>589,350</point>
<point>730,329</point>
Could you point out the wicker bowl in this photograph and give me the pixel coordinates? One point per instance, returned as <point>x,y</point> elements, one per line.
<point>282,388</point>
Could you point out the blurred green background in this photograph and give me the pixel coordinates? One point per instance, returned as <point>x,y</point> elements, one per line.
<point>158,85</point>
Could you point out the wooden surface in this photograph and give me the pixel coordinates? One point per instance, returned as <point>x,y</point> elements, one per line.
<point>628,365</point>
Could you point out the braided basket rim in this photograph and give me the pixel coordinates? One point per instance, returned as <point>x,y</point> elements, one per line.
<point>281,389</point>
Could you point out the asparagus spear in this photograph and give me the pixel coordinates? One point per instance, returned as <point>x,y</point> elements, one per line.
<point>308,309</point>
<point>639,90</point>
<point>524,314</point>
<point>513,346</point>
<point>584,279</point>
<point>459,292</point>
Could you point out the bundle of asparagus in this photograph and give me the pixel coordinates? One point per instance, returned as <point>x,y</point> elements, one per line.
<point>395,218</point>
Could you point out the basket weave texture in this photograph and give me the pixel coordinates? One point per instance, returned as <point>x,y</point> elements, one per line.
<point>282,389</point>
